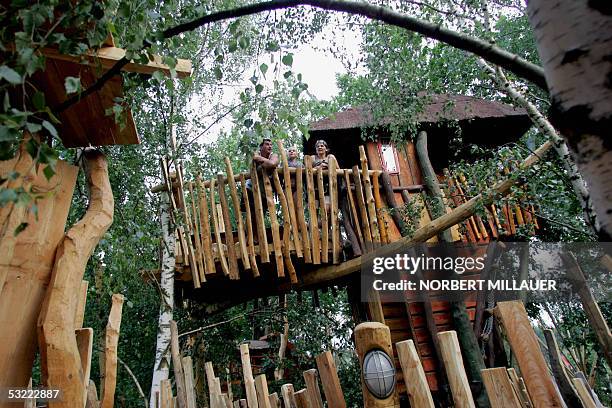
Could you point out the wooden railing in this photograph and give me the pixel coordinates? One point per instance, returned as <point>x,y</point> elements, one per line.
<point>229,227</point>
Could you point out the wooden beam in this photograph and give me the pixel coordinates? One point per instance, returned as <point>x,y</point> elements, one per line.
<point>329,378</point>
<point>500,391</point>
<point>455,372</point>
<point>526,348</point>
<point>562,378</point>
<point>189,381</point>
<point>584,394</point>
<point>106,57</point>
<point>274,400</point>
<point>261,385</point>
<point>179,374</point>
<point>288,396</point>
<point>414,375</point>
<point>311,379</point>
<point>302,399</point>
<point>79,313</point>
<point>312,211</point>
<point>84,338</point>
<point>111,341</point>
<point>247,376</point>
<point>244,255</point>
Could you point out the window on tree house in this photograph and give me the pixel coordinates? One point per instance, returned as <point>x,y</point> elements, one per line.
<point>388,157</point>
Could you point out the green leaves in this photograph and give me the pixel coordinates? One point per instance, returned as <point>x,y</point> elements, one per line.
<point>10,75</point>
<point>287,59</point>
<point>72,84</point>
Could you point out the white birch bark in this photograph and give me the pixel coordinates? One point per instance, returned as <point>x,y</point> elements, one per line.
<point>574,39</point>
<point>161,368</point>
<point>578,183</point>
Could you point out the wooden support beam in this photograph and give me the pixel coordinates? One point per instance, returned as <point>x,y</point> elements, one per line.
<point>455,372</point>
<point>217,230</point>
<point>324,217</point>
<point>353,210</point>
<point>247,376</point>
<point>244,255</point>
<point>297,242</point>
<point>209,263</point>
<point>363,211</point>
<point>414,375</point>
<point>378,204</point>
<point>249,225</point>
<point>276,239</point>
<point>311,379</point>
<point>312,212</point>
<point>369,196</point>
<point>333,212</point>
<point>302,399</point>
<point>299,186</point>
<point>229,235</point>
<point>264,252</point>
<point>165,394</point>
<point>198,273</point>
<point>499,389</point>
<point>57,341</point>
<point>526,348</point>
<point>263,397</point>
<point>288,396</point>
<point>179,374</point>
<point>286,227</point>
<point>189,381</point>
<point>519,388</point>
<point>329,379</point>
<point>583,392</point>
<point>108,56</point>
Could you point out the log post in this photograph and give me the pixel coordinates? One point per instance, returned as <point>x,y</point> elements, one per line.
<point>288,395</point>
<point>453,361</point>
<point>499,388</point>
<point>414,375</point>
<point>247,374</point>
<point>371,336</point>
<point>60,361</point>
<point>179,374</point>
<point>526,348</point>
<point>261,385</point>
<point>189,382</point>
<point>302,399</point>
<point>109,382</point>
<point>311,379</point>
<point>274,400</point>
<point>330,381</point>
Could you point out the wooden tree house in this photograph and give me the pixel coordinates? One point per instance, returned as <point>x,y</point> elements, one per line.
<point>286,243</point>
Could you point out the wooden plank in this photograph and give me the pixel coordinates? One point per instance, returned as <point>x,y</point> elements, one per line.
<point>297,242</point>
<point>369,197</point>
<point>209,263</point>
<point>302,399</point>
<point>333,198</point>
<point>195,227</point>
<point>584,394</point>
<point>526,348</point>
<point>286,229</point>
<point>189,381</point>
<point>499,389</point>
<point>179,374</point>
<point>288,396</point>
<point>106,57</point>
<point>165,394</point>
<point>79,314</point>
<point>264,252</point>
<point>247,376</point>
<point>249,224</point>
<point>363,211</point>
<point>312,211</point>
<point>111,341</point>
<point>519,390</point>
<point>329,379</point>
<point>216,229</point>
<point>274,400</point>
<point>187,222</point>
<point>261,385</point>
<point>244,255</point>
<point>455,372</point>
<point>311,379</point>
<point>323,212</point>
<point>417,387</point>
<point>84,339</point>
<point>299,175</point>
<point>353,209</point>
<point>276,240</point>
<point>229,235</point>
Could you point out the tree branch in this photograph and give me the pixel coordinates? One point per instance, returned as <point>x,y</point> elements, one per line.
<point>484,49</point>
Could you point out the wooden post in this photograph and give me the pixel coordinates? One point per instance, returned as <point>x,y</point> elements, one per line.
<point>323,212</point>
<point>209,264</point>
<point>84,339</point>
<point>414,375</point>
<point>333,198</point>
<point>179,375</point>
<point>286,227</point>
<point>453,361</point>
<point>92,396</point>
<point>311,379</point>
<point>247,375</point>
<point>229,235</point>
<point>566,387</point>
<point>363,212</point>
<point>312,212</point>
<point>299,175</point>
<point>526,348</point>
<point>79,313</point>
<point>217,229</point>
<point>371,336</point>
<point>329,378</point>
<point>353,209</point>
<point>276,239</point>
<point>260,224</point>
<point>288,396</point>
<point>107,386</point>
<point>249,223</point>
<point>198,277</point>
<point>189,382</point>
<point>165,395</point>
<point>584,394</point>
<point>589,304</point>
<point>261,385</point>
<point>274,400</point>
<point>369,196</point>
<point>500,391</point>
<point>302,399</point>
<point>293,222</point>
<point>244,255</point>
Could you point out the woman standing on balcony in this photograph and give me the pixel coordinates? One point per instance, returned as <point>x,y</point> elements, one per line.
<point>321,161</point>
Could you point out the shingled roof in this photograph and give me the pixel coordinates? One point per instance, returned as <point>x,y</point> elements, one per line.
<point>438,107</point>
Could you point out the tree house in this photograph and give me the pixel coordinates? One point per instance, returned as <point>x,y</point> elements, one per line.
<point>228,253</point>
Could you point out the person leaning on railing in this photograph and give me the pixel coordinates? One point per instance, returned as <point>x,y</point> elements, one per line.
<point>321,161</point>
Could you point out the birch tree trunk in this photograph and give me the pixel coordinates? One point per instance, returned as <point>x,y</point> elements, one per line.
<point>161,368</point>
<point>574,39</point>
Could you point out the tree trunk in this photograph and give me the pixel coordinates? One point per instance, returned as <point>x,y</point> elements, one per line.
<point>161,368</point>
<point>574,39</point>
